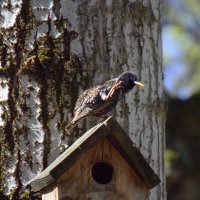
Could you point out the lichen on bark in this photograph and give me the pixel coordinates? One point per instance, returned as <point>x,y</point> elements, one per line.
<point>41,88</point>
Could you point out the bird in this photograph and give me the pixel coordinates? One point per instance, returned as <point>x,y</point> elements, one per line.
<point>97,101</point>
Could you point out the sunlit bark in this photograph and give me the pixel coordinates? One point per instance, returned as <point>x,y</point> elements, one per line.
<point>51,50</point>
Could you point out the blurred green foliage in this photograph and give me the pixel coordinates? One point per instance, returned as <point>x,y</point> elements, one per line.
<point>181,22</point>
<point>183,141</point>
<point>170,157</point>
<point>182,17</point>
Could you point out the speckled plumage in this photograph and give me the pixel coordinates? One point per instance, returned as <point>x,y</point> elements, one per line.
<point>101,99</point>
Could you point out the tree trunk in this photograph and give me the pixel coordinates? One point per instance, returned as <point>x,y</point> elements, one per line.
<point>51,50</point>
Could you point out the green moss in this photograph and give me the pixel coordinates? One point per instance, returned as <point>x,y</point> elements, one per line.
<point>63,102</point>
<point>62,148</point>
<point>58,125</point>
<point>62,135</point>
<point>45,60</point>
<point>25,195</point>
<point>28,67</point>
<point>59,75</point>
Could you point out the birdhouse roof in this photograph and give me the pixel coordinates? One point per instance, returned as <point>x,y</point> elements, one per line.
<point>117,137</point>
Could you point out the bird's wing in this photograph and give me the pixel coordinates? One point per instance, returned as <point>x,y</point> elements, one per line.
<point>109,83</point>
<point>87,98</point>
<point>92,98</point>
<point>90,101</point>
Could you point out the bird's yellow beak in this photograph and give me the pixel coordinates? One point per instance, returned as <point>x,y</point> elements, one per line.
<point>138,83</point>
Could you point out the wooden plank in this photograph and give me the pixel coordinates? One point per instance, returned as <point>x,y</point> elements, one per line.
<point>43,180</point>
<point>116,136</point>
<point>77,179</point>
<point>124,145</point>
<point>78,182</point>
<point>51,194</point>
<point>106,195</point>
<point>126,180</point>
<point>67,159</point>
<point>88,140</point>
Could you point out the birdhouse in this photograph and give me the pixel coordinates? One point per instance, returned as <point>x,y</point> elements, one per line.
<point>102,164</point>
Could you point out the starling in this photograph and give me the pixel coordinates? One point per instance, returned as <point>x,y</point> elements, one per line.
<point>101,99</point>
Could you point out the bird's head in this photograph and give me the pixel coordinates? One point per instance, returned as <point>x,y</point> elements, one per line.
<point>129,80</point>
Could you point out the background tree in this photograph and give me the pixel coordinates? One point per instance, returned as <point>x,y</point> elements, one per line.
<point>53,50</point>
<point>181,39</point>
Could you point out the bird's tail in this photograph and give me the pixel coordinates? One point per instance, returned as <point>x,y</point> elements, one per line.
<point>70,127</point>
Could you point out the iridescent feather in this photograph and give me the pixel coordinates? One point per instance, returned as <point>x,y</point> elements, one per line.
<point>101,99</point>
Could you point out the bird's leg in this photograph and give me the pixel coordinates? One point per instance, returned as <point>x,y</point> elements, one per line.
<point>112,90</point>
<point>103,117</point>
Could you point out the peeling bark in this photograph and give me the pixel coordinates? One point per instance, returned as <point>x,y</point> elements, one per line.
<point>50,51</point>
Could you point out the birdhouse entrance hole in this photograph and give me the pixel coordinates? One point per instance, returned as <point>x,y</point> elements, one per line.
<point>102,172</point>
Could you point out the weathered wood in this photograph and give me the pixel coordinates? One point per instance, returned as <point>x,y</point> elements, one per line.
<point>77,181</point>
<point>125,146</point>
<point>102,196</point>
<point>117,137</point>
<point>67,159</point>
<point>51,194</point>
